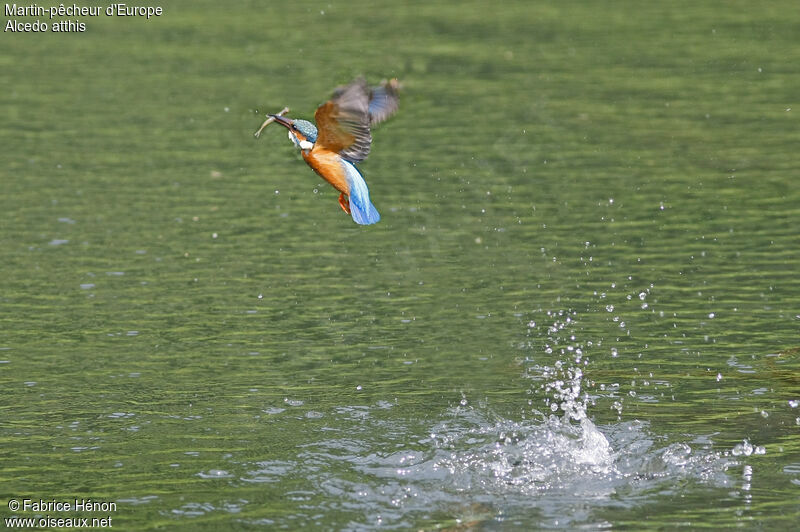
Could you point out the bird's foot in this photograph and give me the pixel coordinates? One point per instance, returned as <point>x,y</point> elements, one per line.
<point>344,203</point>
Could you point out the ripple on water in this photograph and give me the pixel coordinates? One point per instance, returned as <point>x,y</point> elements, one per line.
<point>136,501</point>
<point>270,471</point>
<point>214,473</point>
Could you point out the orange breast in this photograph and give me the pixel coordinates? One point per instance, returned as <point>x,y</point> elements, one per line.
<point>327,164</point>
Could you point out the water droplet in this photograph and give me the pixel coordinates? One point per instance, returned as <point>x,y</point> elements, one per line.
<point>742,449</point>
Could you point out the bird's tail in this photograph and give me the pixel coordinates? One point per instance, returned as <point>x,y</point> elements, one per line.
<point>361,208</point>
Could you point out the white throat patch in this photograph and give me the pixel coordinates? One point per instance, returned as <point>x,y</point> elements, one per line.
<point>302,144</point>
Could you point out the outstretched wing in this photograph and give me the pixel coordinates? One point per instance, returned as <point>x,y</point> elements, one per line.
<point>343,122</point>
<point>383,101</point>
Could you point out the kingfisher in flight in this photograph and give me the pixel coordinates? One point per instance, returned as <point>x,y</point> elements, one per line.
<point>342,138</point>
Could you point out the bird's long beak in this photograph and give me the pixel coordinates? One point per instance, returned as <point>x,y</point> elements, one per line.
<point>272,118</point>
<point>285,122</point>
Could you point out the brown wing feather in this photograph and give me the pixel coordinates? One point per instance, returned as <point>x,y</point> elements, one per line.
<point>343,122</point>
<point>383,101</point>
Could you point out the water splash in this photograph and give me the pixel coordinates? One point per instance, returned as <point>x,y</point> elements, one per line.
<point>472,467</point>
<point>508,457</point>
<point>475,467</point>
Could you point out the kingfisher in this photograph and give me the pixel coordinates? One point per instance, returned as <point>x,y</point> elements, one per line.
<point>342,138</point>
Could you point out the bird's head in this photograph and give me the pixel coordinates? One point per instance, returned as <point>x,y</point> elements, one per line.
<point>301,132</point>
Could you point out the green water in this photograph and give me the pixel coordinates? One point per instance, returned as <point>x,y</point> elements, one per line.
<point>190,326</point>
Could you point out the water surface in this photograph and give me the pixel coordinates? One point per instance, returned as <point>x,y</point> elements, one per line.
<point>580,308</point>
